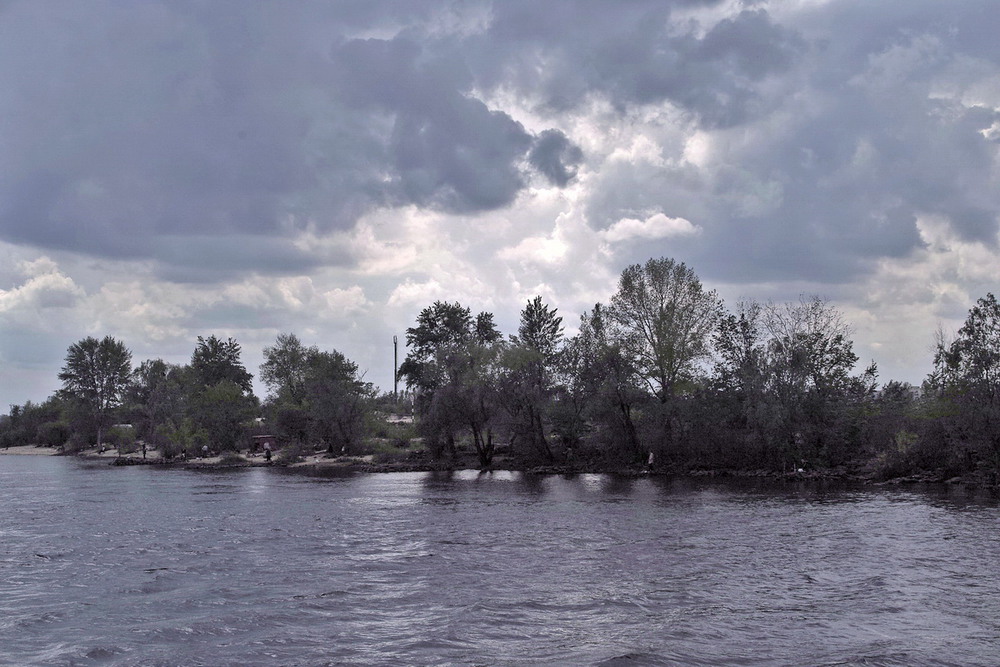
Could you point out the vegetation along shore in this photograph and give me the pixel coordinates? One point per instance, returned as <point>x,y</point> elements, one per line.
<point>663,379</point>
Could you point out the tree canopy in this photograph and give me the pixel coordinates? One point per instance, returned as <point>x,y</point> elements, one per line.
<point>96,374</point>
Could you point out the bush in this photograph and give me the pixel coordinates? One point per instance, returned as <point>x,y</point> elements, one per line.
<point>122,438</point>
<point>231,458</point>
<point>293,453</point>
<point>77,442</point>
<point>53,434</point>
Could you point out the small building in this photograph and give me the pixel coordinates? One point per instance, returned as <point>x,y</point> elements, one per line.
<point>258,442</point>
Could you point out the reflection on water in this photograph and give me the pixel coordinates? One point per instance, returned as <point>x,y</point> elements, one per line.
<point>133,566</point>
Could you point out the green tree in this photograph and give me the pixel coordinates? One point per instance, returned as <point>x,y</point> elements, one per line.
<point>665,319</point>
<point>337,400</point>
<point>316,395</point>
<point>971,362</point>
<point>601,389</point>
<point>95,375</point>
<point>451,364</point>
<point>215,360</point>
<point>221,400</point>
<point>966,379</point>
<point>224,411</point>
<point>810,364</point>
<point>529,365</point>
<point>157,397</point>
<point>286,366</point>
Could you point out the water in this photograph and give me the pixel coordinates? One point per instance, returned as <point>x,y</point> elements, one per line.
<point>136,566</point>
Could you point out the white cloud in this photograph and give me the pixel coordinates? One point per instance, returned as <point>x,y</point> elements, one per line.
<point>46,287</point>
<point>655,226</point>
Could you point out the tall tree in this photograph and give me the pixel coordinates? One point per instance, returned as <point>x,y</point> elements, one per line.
<point>285,367</point>
<point>665,319</point>
<point>451,364</point>
<point>221,401</point>
<point>602,385</point>
<point>971,362</point>
<point>96,375</point>
<point>215,360</point>
<point>156,396</point>
<point>224,410</point>
<point>967,375</point>
<point>441,327</point>
<point>529,365</point>
<point>810,364</point>
<point>336,399</point>
<point>810,344</point>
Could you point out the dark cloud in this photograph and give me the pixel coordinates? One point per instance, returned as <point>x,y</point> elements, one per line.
<point>634,55</point>
<point>128,126</point>
<point>555,156</point>
<point>445,149</point>
<point>126,123</point>
<point>882,116</point>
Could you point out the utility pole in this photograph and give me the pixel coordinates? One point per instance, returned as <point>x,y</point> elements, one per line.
<point>395,369</point>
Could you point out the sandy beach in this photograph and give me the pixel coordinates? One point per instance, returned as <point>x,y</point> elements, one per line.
<point>29,450</point>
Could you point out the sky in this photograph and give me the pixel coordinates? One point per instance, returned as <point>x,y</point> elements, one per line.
<point>179,168</point>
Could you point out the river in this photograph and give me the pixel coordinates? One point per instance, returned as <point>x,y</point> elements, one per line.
<point>142,566</point>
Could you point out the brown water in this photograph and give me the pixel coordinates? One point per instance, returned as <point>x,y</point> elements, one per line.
<point>136,566</point>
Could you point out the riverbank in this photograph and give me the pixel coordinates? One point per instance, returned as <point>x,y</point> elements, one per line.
<point>29,450</point>
<point>322,464</point>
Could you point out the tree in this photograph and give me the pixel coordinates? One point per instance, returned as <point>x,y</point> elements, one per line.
<point>451,365</point>
<point>529,365</point>
<point>336,399</point>
<point>810,345</point>
<point>601,387</point>
<point>96,374</point>
<point>221,399</point>
<point>156,396</point>
<point>664,321</point>
<point>286,365</point>
<point>441,327</point>
<point>967,376</point>
<point>223,411</point>
<point>971,362</point>
<point>315,394</point>
<point>215,360</point>
<point>810,364</point>
<point>741,379</point>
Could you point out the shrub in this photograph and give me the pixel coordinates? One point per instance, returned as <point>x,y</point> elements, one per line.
<point>231,458</point>
<point>53,434</point>
<point>123,438</point>
<point>292,453</point>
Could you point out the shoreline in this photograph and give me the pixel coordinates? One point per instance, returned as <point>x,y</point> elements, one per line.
<point>30,450</point>
<point>320,465</point>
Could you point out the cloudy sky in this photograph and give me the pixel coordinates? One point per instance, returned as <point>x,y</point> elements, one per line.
<point>177,168</point>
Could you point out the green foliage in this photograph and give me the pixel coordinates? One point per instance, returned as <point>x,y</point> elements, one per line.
<point>223,411</point>
<point>661,370</point>
<point>316,396</point>
<point>285,368</point>
<point>453,364</point>
<point>664,320</point>
<point>157,394</point>
<point>337,401</point>
<point>187,438</point>
<point>215,361</point>
<point>95,375</point>
<point>53,434</point>
<point>122,438</point>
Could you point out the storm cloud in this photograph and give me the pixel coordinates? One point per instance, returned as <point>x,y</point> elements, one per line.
<point>183,167</point>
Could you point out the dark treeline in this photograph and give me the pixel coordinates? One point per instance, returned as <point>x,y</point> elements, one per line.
<point>663,376</point>
<point>317,397</point>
